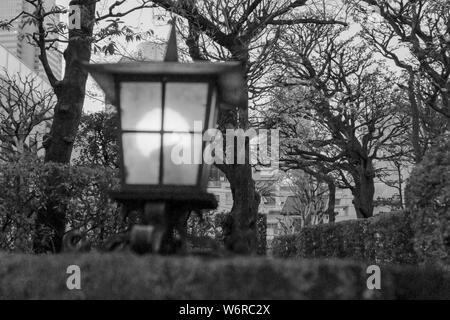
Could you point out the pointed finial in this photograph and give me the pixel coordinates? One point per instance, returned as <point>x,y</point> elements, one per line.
<point>172,49</point>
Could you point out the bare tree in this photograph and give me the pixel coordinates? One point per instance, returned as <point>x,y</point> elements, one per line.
<point>310,197</point>
<point>349,100</point>
<point>394,177</point>
<point>25,110</point>
<point>423,27</point>
<point>392,37</point>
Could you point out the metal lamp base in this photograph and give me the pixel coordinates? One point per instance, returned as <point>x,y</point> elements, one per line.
<point>158,220</point>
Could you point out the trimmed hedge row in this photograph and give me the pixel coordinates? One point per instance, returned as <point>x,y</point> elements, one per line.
<point>386,238</point>
<point>126,276</point>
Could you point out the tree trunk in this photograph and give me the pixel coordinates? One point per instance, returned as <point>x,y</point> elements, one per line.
<point>324,177</point>
<point>331,202</point>
<point>70,93</point>
<point>50,223</point>
<point>400,185</point>
<point>364,190</point>
<point>415,119</point>
<point>71,90</point>
<point>242,236</point>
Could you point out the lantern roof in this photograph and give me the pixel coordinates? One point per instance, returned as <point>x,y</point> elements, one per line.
<point>229,75</point>
<point>172,48</point>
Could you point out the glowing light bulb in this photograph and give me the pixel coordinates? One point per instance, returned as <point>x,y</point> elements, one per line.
<point>148,143</point>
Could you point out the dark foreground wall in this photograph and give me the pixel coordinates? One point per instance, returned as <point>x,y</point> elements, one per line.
<point>122,276</point>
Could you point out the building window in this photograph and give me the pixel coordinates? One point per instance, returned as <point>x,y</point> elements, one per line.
<point>270,201</point>
<point>346,209</point>
<point>214,174</point>
<point>273,227</point>
<point>216,177</point>
<point>213,184</point>
<point>229,199</point>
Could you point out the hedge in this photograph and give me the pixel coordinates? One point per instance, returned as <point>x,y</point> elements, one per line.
<point>386,238</point>
<point>428,200</point>
<point>25,189</point>
<point>126,276</point>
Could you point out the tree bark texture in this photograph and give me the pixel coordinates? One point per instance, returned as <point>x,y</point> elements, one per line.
<point>70,94</point>
<point>71,90</point>
<point>364,190</point>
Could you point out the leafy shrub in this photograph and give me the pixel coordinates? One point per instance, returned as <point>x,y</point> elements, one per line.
<point>211,227</point>
<point>25,189</point>
<point>385,238</point>
<point>97,142</point>
<point>126,276</point>
<point>261,235</point>
<point>428,200</point>
<point>205,231</point>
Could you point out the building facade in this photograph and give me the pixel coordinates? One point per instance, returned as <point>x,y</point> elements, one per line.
<point>271,204</point>
<point>16,42</point>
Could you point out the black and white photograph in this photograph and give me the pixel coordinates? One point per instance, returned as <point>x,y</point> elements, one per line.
<point>230,157</point>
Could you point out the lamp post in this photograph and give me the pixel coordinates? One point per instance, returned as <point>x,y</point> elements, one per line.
<point>165,107</point>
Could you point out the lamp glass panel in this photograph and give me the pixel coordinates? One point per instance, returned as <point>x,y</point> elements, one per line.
<point>182,158</point>
<point>185,103</point>
<point>140,106</point>
<point>141,156</point>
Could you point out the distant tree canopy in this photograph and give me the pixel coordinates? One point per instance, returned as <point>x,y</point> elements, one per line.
<point>309,200</point>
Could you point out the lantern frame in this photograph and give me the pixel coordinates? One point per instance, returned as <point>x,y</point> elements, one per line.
<point>225,80</point>
<point>211,108</point>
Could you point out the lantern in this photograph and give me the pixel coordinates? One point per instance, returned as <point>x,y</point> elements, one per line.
<point>164,109</point>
